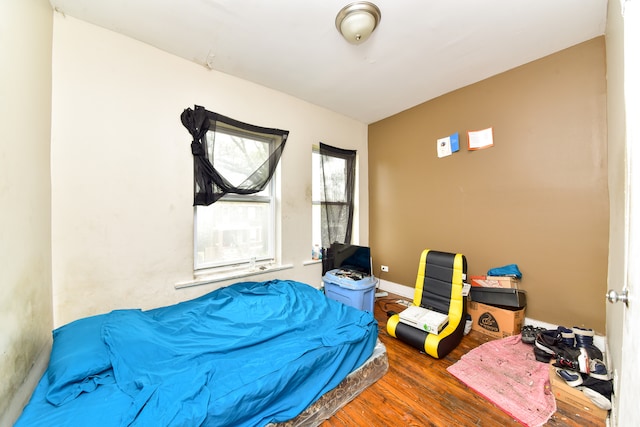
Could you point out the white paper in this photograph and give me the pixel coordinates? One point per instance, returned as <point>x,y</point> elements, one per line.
<point>444,147</point>
<point>480,139</point>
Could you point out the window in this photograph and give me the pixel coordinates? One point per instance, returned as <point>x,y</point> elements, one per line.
<point>233,190</point>
<point>333,191</point>
<point>237,228</point>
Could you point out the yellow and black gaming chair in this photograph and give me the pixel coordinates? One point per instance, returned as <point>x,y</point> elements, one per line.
<point>438,287</point>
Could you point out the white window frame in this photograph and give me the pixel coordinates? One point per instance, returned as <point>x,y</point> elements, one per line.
<point>249,262</point>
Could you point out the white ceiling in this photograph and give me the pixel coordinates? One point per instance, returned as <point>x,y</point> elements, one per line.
<point>420,50</point>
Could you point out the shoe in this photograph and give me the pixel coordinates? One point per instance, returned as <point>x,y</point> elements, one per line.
<point>584,339</point>
<point>598,370</point>
<point>589,352</point>
<point>550,342</point>
<point>583,335</point>
<point>598,391</point>
<point>584,364</point>
<point>572,378</point>
<point>566,360</point>
<point>547,341</point>
<point>529,333</point>
<point>568,336</point>
<point>541,356</point>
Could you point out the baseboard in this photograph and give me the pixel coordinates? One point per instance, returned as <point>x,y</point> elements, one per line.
<point>394,288</point>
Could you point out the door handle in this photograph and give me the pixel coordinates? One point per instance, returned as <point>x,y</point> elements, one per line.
<point>613,297</point>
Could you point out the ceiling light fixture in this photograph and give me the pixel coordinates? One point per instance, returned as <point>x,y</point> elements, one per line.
<point>357,20</point>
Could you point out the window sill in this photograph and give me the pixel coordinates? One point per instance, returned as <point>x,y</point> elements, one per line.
<point>230,275</point>
<point>312,262</point>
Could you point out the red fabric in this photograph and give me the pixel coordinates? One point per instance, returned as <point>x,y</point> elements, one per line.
<point>506,373</point>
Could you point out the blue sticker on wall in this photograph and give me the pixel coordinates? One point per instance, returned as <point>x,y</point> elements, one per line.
<point>455,142</point>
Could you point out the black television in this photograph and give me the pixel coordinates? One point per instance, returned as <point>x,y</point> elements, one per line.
<point>348,257</point>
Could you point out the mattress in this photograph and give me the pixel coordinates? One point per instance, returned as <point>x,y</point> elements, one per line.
<point>357,381</point>
<point>249,354</point>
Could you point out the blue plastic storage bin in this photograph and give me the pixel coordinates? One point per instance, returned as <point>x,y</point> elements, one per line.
<point>355,293</point>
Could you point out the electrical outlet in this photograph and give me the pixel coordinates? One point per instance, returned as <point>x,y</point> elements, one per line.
<point>384,268</point>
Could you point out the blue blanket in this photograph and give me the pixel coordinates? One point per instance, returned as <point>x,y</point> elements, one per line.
<point>244,355</point>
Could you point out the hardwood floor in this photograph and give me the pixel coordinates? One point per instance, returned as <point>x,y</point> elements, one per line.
<point>418,391</point>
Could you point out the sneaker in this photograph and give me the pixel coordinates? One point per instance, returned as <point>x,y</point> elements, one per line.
<point>584,364</point>
<point>583,335</point>
<point>529,333</point>
<point>598,391</point>
<point>547,341</point>
<point>584,339</point>
<point>550,342</point>
<point>568,336</point>
<point>541,356</point>
<point>572,378</point>
<point>567,361</point>
<point>598,370</point>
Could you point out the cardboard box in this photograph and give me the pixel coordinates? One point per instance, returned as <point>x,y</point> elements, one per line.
<point>504,281</point>
<point>497,322</point>
<point>476,280</point>
<point>494,281</point>
<point>573,396</point>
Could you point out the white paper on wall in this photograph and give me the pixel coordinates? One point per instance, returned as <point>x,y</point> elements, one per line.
<point>448,145</point>
<point>480,139</point>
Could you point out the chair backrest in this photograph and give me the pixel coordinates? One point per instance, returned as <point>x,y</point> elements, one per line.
<point>440,280</point>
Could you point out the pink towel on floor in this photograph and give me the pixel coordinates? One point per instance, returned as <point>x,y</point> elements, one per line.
<point>506,373</point>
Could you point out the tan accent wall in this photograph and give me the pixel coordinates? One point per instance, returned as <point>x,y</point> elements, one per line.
<point>537,198</point>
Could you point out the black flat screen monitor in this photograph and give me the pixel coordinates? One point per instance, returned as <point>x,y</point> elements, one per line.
<point>352,257</point>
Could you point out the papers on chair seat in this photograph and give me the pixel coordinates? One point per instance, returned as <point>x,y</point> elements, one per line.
<point>427,320</point>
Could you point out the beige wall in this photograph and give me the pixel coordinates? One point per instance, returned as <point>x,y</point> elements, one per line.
<point>122,169</point>
<point>538,198</point>
<point>25,197</point>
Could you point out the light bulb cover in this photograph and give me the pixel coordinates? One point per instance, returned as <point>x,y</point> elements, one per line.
<point>357,20</point>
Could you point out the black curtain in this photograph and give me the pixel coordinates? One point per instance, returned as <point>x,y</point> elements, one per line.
<point>336,194</point>
<point>209,184</point>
